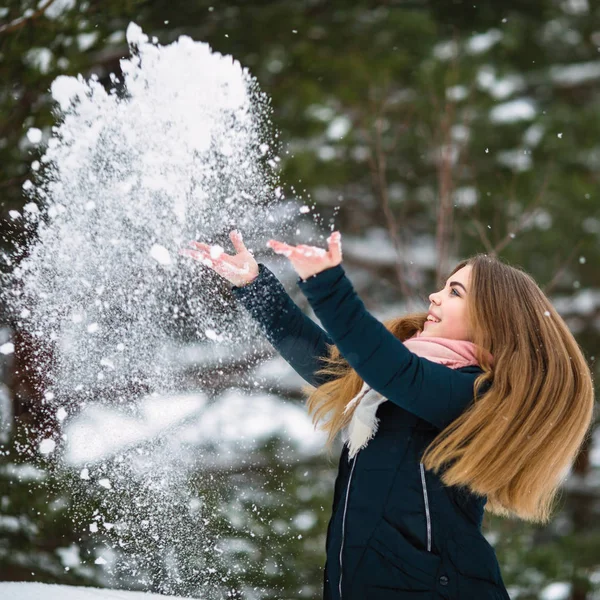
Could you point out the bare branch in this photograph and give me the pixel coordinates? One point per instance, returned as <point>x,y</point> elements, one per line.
<point>21,21</point>
<point>378,169</point>
<point>483,236</point>
<point>443,144</point>
<point>549,286</point>
<point>495,250</point>
<point>445,179</point>
<point>452,154</point>
<point>523,218</point>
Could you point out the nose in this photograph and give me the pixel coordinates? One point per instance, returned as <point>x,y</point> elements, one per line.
<point>433,298</point>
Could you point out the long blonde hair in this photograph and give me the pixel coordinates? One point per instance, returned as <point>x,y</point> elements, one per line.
<point>516,442</point>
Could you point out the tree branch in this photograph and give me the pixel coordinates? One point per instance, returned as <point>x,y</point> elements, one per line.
<point>21,21</point>
<point>523,218</point>
<point>495,250</point>
<point>378,167</point>
<point>548,287</point>
<point>483,235</point>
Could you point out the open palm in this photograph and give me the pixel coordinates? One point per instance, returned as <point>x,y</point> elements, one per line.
<point>239,269</point>
<point>310,260</point>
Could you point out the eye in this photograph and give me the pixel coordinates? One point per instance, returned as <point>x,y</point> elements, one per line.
<point>454,290</point>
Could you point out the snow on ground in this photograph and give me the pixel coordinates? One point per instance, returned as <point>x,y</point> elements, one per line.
<point>277,372</point>
<point>46,591</point>
<point>100,431</point>
<point>256,418</point>
<point>233,424</point>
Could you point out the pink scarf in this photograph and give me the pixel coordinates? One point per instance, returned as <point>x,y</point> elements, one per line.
<point>455,354</point>
<point>452,353</point>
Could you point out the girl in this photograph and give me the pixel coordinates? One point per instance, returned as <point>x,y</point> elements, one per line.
<point>482,403</point>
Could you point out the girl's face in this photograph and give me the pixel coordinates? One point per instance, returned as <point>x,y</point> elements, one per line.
<point>450,307</point>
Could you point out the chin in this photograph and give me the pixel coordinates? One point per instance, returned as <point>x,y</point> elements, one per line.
<point>428,332</point>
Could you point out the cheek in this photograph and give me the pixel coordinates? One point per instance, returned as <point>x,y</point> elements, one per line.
<point>457,320</point>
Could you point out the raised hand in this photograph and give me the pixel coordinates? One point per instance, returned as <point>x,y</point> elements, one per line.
<point>310,260</point>
<point>239,269</point>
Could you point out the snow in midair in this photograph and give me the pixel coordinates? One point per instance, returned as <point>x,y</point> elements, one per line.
<point>172,153</point>
<point>47,446</point>
<point>178,149</point>
<point>34,135</point>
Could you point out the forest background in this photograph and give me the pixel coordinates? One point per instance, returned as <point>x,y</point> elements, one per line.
<point>426,131</point>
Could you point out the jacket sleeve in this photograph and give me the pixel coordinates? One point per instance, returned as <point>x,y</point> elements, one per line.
<point>433,392</point>
<point>298,339</point>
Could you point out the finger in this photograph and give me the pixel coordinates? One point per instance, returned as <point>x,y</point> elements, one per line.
<point>189,252</point>
<point>335,246</point>
<point>275,244</point>
<point>200,246</point>
<point>311,251</point>
<point>281,248</point>
<point>219,265</point>
<point>197,255</point>
<point>278,244</point>
<point>237,241</point>
<point>213,252</point>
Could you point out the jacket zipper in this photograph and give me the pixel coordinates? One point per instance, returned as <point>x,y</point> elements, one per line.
<point>344,523</point>
<point>427,515</point>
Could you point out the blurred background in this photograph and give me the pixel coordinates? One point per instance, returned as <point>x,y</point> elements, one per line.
<point>425,131</point>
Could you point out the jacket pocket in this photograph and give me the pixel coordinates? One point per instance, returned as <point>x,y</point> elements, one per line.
<point>393,563</point>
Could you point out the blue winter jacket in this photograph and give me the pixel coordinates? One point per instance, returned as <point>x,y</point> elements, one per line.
<point>396,531</point>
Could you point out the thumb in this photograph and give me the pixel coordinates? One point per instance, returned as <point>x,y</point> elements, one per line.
<point>335,246</point>
<point>236,239</point>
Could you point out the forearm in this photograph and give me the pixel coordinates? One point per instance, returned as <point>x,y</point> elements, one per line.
<point>427,389</point>
<point>298,339</point>
<point>365,342</point>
